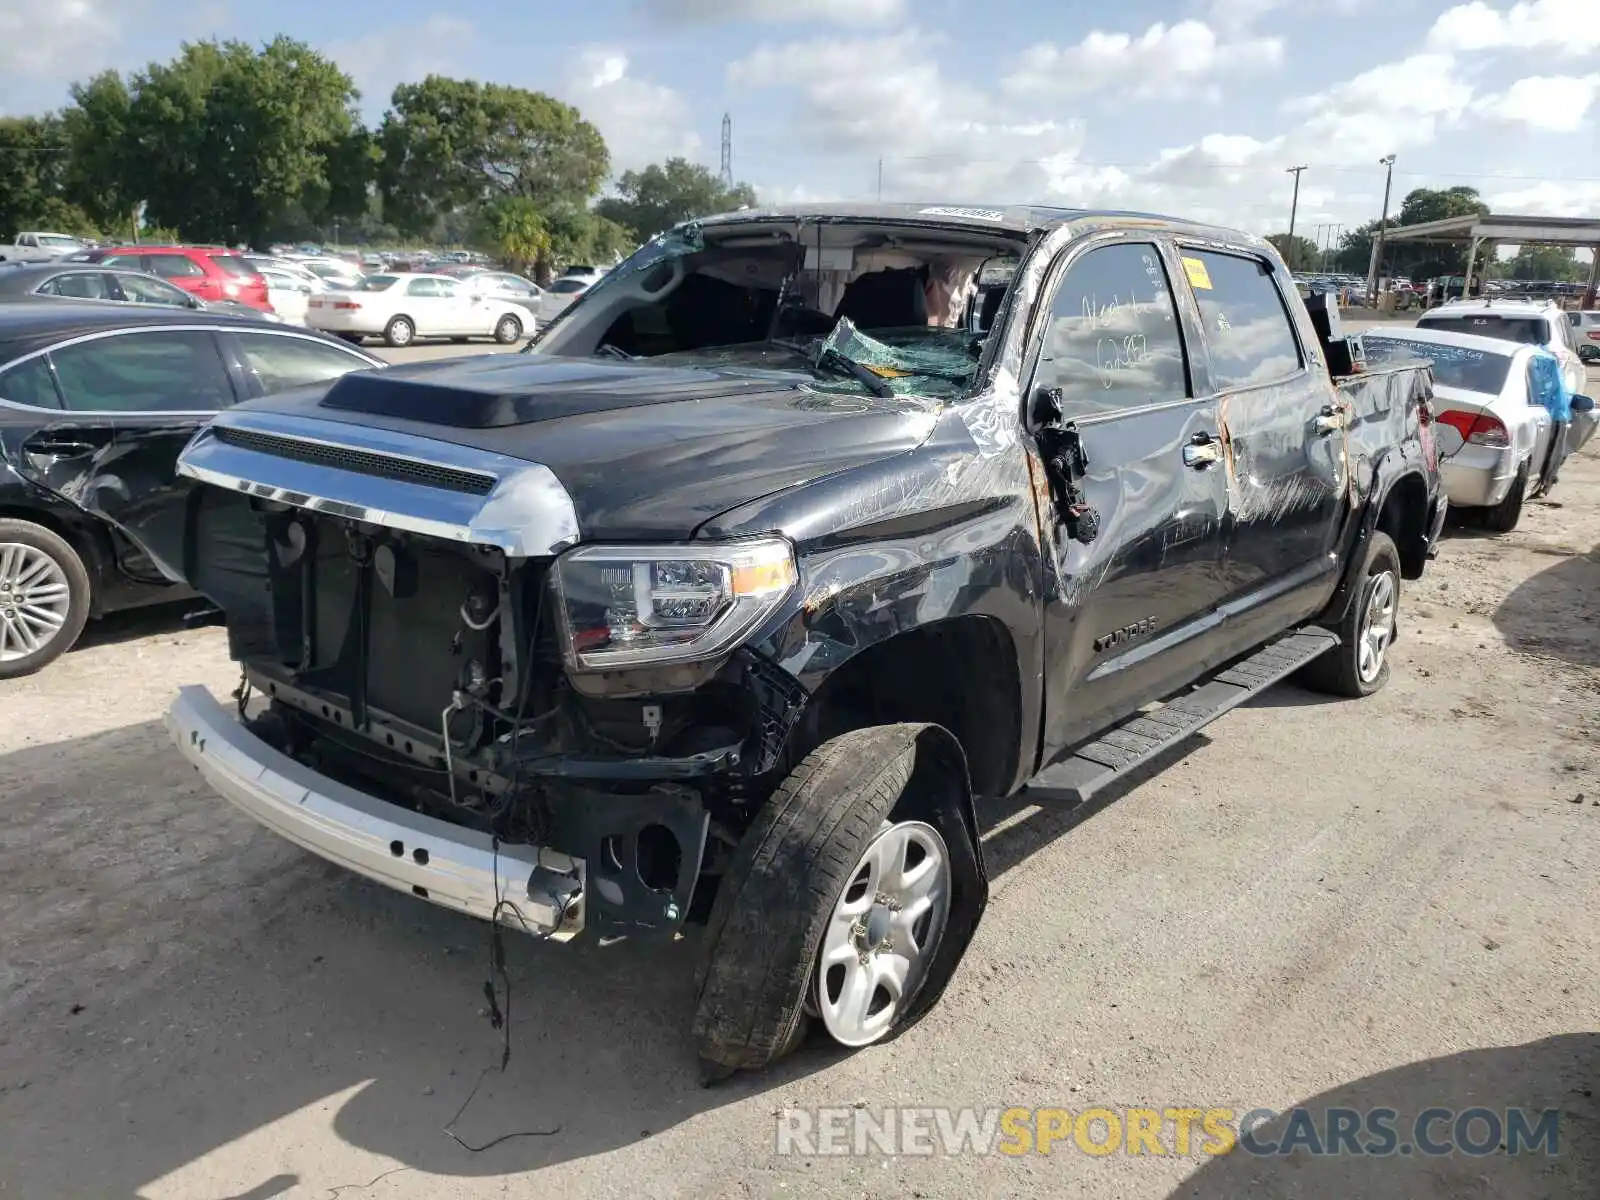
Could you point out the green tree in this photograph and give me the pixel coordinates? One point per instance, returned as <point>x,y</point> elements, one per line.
<point>661,196</point>
<point>223,141</point>
<point>34,163</point>
<point>102,167</point>
<point>513,230</point>
<point>1299,253</point>
<point>1355,249</point>
<point>1422,260</point>
<point>1427,204</point>
<point>452,145</point>
<point>1557,263</point>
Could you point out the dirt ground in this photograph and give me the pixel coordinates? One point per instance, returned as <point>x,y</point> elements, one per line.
<point>1379,903</point>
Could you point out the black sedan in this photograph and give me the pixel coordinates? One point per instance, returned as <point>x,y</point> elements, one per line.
<point>85,281</point>
<point>96,401</point>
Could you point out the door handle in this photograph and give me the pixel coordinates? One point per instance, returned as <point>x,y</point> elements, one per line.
<point>1330,420</point>
<point>59,447</point>
<point>1202,451</point>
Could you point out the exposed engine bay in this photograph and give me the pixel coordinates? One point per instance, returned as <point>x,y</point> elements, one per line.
<point>430,674</point>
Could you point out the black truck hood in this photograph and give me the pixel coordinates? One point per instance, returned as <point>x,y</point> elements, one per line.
<point>644,451</point>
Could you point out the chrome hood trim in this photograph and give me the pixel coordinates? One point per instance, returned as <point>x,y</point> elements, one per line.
<point>526,512</point>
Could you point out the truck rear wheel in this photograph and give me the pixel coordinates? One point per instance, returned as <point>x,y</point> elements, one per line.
<point>1359,664</point>
<point>838,901</point>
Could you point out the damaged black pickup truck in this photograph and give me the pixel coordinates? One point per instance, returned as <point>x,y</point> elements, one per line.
<point>795,537</point>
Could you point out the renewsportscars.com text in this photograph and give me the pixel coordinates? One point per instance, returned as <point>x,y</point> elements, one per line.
<point>1177,1131</point>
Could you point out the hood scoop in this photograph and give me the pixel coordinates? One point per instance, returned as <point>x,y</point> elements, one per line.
<point>500,391</point>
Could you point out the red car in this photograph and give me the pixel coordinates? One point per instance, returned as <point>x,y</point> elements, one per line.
<point>212,273</point>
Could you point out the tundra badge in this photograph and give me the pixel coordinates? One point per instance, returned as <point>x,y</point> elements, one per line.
<point>1126,634</point>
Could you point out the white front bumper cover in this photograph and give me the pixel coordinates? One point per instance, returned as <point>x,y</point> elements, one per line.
<point>541,889</point>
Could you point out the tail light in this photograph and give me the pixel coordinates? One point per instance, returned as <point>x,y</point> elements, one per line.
<point>1477,429</point>
<point>1594,335</point>
<point>348,305</point>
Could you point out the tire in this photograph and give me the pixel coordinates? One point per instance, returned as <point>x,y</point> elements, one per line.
<point>1503,517</point>
<point>37,559</point>
<point>399,332</point>
<point>785,884</point>
<point>1344,671</point>
<point>507,329</point>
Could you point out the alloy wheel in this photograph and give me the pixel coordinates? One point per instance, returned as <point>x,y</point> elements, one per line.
<point>883,933</point>
<point>1377,625</point>
<point>35,600</point>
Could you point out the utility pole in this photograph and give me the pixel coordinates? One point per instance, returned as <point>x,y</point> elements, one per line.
<point>1387,161</point>
<point>1294,205</point>
<point>880,181</point>
<point>727,151</point>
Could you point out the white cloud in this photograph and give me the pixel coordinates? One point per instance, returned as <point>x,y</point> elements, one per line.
<point>1563,27</point>
<point>839,12</point>
<point>1388,108</point>
<point>1557,103</point>
<point>51,41</point>
<point>940,138</point>
<point>1163,60</point>
<point>1237,15</point>
<point>1217,157</point>
<point>405,53</point>
<point>1548,199</point>
<point>642,122</point>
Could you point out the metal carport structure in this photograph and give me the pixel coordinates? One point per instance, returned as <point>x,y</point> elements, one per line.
<point>1478,232</point>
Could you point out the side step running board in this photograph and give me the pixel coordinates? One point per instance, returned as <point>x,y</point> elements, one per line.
<point>1140,738</point>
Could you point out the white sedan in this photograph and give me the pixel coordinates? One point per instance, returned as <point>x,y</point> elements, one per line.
<point>574,282</point>
<point>401,307</point>
<point>289,294</point>
<point>1493,439</point>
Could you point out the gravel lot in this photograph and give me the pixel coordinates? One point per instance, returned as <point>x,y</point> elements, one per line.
<point>1378,903</point>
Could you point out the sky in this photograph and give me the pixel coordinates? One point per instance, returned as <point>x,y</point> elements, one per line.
<point>1192,107</point>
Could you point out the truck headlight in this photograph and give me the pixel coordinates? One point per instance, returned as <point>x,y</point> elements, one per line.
<point>634,606</point>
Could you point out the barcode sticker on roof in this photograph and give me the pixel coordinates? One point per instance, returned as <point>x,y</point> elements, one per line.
<point>975,214</point>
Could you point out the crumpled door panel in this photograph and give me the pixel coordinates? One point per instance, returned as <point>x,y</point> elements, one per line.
<point>122,473</point>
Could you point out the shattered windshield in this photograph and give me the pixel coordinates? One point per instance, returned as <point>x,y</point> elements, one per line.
<point>918,360</point>
<point>861,307</point>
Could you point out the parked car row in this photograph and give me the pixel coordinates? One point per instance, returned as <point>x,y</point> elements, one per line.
<point>402,307</point>
<point>123,285</point>
<point>209,272</point>
<point>1498,439</point>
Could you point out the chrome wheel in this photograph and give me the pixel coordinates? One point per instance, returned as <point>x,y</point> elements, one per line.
<point>883,932</point>
<point>35,600</point>
<point>1377,625</point>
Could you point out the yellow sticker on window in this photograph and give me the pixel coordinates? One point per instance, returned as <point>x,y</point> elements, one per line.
<point>1199,277</point>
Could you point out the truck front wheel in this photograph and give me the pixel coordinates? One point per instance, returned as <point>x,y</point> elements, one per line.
<point>836,904</point>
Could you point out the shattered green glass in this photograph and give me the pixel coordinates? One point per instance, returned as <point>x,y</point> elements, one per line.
<point>919,360</point>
